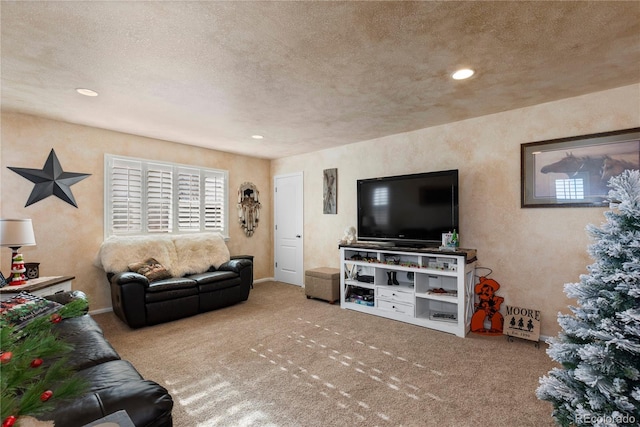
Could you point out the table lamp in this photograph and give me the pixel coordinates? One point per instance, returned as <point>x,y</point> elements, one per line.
<point>16,233</point>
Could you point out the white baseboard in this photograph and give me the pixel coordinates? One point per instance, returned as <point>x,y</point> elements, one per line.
<point>266,279</point>
<point>101,310</point>
<point>544,338</point>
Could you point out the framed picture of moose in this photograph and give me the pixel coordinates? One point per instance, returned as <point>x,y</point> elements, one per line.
<point>575,171</point>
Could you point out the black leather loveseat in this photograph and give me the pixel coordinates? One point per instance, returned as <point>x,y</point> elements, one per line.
<point>113,384</point>
<point>174,276</point>
<point>139,302</point>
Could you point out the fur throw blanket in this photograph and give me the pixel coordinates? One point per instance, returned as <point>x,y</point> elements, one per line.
<point>179,254</point>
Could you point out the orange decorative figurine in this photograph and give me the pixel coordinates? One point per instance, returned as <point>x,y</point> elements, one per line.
<point>488,308</point>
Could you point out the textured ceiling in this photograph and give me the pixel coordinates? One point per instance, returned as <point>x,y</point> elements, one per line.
<point>306,75</point>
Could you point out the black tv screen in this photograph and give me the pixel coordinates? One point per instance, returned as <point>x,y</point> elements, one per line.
<point>408,209</point>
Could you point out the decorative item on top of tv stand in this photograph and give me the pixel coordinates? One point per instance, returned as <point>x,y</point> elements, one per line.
<point>248,207</point>
<point>349,236</point>
<point>450,240</point>
<point>15,233</point>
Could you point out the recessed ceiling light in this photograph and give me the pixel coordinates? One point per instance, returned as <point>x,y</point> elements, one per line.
<point>465,73</point>
<point>87,92</point>
<point>257,136</point>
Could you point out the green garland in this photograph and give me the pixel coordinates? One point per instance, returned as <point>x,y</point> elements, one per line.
<point>33,372</point>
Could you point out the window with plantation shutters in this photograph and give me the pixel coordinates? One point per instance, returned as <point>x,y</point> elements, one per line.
<point>144,197</point>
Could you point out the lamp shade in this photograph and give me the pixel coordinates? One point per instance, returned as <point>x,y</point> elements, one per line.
<point>16,233</point>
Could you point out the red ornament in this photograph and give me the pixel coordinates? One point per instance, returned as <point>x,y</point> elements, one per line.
<point>56,318</point>
<point>36,362</point>
<point>6,357</point>
<point>9,421</point>
<point>46,395</point>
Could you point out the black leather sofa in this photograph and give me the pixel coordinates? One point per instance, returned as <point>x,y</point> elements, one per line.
<point>113,384</point>
<point>139,302</point>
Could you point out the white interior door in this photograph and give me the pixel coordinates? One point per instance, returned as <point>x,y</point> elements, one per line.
<point>288,214</point>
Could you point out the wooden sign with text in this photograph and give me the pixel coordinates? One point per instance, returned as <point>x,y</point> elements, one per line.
<point>522,322</point>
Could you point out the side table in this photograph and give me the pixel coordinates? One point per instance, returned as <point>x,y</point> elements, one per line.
<point>42,286</point>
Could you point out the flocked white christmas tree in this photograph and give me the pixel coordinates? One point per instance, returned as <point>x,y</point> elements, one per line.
<point>599,345</point>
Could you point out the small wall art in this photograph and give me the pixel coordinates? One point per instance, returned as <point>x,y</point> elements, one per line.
<point>330,191</point>
<point>248,208</point>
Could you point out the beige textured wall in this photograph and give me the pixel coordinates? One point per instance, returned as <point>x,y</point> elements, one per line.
<point>532,252</point>
<point>68,238</point>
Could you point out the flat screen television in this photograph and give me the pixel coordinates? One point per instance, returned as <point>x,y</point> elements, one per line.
<point>408,210</point>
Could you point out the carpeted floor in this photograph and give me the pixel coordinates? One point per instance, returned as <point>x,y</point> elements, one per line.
<point>280,359</point>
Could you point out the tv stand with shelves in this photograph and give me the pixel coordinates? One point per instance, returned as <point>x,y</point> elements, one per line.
<point>427,287</point>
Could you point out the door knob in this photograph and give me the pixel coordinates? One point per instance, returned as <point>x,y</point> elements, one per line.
<point>298,236</point>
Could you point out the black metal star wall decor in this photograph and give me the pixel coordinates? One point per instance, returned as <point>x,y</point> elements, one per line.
<point>51,180</point>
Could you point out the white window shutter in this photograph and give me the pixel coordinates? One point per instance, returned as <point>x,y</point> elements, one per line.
<point>159,198</point>
<point>188,199</point>
<point>214,201</point>
<point>125,184</point>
